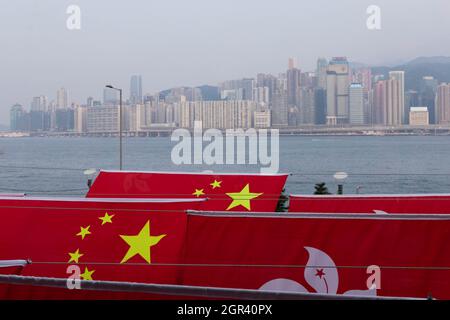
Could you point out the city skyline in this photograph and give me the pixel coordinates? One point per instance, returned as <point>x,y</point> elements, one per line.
<point>334,94</point>
<point>177,43</point>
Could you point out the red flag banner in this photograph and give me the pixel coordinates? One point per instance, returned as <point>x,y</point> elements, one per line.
<point>383,255</point>
<point>105,239</point>
<point>379,204</point>
<point>225,192</point>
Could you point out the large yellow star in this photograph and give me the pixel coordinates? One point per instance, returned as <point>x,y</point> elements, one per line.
<point>84,232</point>
<point>87,275</point>
<point>215,184</point>
<point>140,244</point>
<point>106,218</point>
<point>242,198</point>
<point>75,256</point>
<point>198,192</point>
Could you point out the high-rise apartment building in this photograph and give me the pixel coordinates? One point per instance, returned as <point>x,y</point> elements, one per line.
<point>388,100</point>
<point>443,104</point>
<point>397,114</point>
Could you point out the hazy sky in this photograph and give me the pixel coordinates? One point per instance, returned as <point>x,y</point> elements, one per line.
<point>193,42</point>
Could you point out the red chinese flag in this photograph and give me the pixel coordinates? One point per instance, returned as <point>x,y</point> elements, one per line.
<point>321,254</point>
<point>136,240</point>
<point>380,204</point>
<point>225,192</point>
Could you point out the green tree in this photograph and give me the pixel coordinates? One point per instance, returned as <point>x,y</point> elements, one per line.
<point>321,188</point>
<point>283,202</point>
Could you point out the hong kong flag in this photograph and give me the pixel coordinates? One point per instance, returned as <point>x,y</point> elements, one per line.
<point>224,192</point>
<point>138,240</point>
<point>383,255</point>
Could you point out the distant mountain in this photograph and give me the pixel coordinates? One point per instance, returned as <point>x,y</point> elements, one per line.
<point>428,60</point>
<point>415,70</point>
<point>208,92</point>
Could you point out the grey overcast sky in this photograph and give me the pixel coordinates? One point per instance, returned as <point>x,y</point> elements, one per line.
<point>193,42</point>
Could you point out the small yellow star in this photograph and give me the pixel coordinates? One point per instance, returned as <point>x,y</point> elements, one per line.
<point>87,275</point>
<point>84,232</point>
<point>141,243</point>
<point>75,256</point>
<point>106,218</point>
<point>242,198</point>
<point>198,192</point>
<point>216,184</point>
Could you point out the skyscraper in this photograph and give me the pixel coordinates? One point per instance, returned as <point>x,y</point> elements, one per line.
<point>443,104</point>
<point>320,106</point>
<point>61,98</point>
<point>136,89</point>
<point>379,103</point>
<point>280,107</point>
<point>389,102</point>
<point>427,96</point>
<point>337,91</point>
<point>398,114</point>
<point>356,109</point>
<point>293,76</point>
<point>321,73</point>
<point>17,118</point>
<point>247,86</point>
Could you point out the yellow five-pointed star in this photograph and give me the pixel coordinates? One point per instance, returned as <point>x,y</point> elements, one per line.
<point>75,256</point>
<point>216,184</point>
<point>198,192</point>
<point>242,198</point>
<point>106,218</point>
<point>84,232</point>
<point>140,244</point>
<point>87,275</point>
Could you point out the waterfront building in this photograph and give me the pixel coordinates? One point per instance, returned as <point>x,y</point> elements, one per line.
<point>320,106</point>
<point>337,91</point>
<point>262,119</point>
<point>443,104</point>
<point>418,116</point>
<point>18,118</point>
<point>356,98</point>
<point>388,101</point>
<point>80,120</point>
<point>397,114</point>
<point>224,114</point>
<point>102,119</point>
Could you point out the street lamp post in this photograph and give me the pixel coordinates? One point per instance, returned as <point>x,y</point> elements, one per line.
<point>120,124</point>
<point>340,177</point>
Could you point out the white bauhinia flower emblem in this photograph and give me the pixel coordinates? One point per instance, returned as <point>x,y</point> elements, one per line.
<point>320,273</point>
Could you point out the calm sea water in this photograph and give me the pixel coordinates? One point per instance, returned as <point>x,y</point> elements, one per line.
<point>388,164</point>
